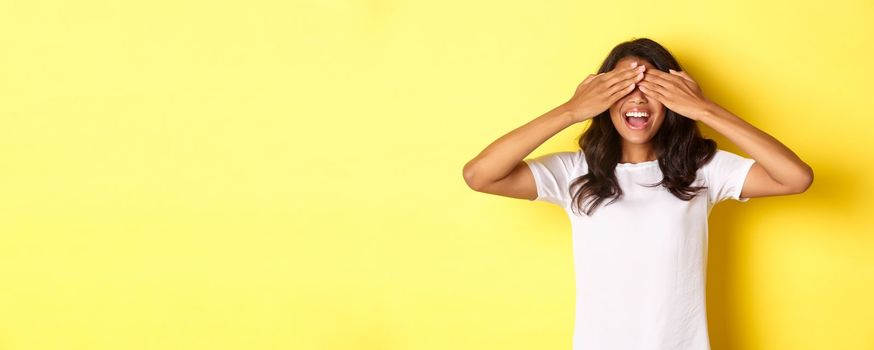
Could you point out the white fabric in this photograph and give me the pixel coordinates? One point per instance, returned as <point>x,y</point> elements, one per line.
<point>640,262</point>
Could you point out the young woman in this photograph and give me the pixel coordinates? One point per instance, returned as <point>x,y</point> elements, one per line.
<point>638,193</point>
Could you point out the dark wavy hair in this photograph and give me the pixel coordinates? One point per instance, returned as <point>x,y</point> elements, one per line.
<point>678,144</point>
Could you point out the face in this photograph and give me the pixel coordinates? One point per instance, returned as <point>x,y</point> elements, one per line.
<point>635,129</point>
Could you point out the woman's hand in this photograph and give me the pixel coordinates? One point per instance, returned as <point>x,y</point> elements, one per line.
<point>677,91</point>
<point>599,91</point>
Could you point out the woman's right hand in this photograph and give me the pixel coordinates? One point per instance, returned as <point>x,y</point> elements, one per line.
<point>599,91</point>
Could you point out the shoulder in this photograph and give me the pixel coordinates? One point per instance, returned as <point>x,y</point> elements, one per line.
<point>571,161</point>
<point>721,158</point>
<point>725,174</point>
<point>725,166</point>
<point>575,158</point>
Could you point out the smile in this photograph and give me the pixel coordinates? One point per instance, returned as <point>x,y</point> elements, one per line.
<point>637,120</point>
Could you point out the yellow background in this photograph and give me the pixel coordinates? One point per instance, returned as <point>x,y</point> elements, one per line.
<point>288,175</point>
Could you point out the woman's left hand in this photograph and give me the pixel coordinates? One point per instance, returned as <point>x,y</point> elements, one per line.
<point>676,90</point>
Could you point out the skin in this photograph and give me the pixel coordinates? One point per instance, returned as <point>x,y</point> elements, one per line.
<point>500,169</point>
<point>777,170</point>
<point>636,144</point>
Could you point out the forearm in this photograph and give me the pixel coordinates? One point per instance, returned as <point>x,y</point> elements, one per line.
<point>783,165</point>
<point>500,157</point>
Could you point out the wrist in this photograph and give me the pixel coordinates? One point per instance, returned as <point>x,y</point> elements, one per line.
<point>709,112</point>
<point>571,115</point>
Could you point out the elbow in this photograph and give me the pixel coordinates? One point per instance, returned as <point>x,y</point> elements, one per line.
<point>470,178</point>
<point>805,180</point>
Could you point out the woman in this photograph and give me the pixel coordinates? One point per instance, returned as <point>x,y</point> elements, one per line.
<point>638,193</point>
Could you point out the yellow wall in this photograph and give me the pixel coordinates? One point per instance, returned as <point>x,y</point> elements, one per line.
<point>275,175</point>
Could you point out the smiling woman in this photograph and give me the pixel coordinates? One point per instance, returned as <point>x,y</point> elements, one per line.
<point>617,137</point>
<point>638,193</point>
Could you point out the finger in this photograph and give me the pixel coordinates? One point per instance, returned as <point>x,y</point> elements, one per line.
<point>650,93</point>
<point>679,73</point>
<point>660,78</point>
<point>625,84</point>
<point>660,73</point>
<point>588,79</point>
<point>597,77</point>
<point>682,74</point>
<point>616,95</point>
<point>621,76</point>
<point>620,89</point>
<point>673,76</point>
<point>620,70</point>
<point>654,87</point>
<point>651,89</point>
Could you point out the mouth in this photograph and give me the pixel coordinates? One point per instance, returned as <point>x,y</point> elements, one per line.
<point>636,119</point>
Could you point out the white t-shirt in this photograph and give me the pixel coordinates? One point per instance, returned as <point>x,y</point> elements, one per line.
<point>640,262</point>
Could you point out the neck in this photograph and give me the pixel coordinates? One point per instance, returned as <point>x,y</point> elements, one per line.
<point>637,153</point>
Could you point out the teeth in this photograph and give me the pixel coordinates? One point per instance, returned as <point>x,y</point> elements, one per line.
<point>637,114</point>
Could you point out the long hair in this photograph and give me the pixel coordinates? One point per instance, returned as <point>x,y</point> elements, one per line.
<point>678,144</point>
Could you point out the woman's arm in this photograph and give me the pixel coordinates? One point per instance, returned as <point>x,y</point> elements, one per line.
<point>505,154</point>
<point>777,170</point>
<point>499,168</point>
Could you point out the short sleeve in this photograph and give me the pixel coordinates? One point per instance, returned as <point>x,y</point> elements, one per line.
<point>553,173</point>
<point>725,175</point>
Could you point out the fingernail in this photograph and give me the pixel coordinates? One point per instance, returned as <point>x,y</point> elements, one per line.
<point>633,64</point>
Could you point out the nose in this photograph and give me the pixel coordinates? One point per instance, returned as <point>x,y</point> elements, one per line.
<point>636,96</point>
